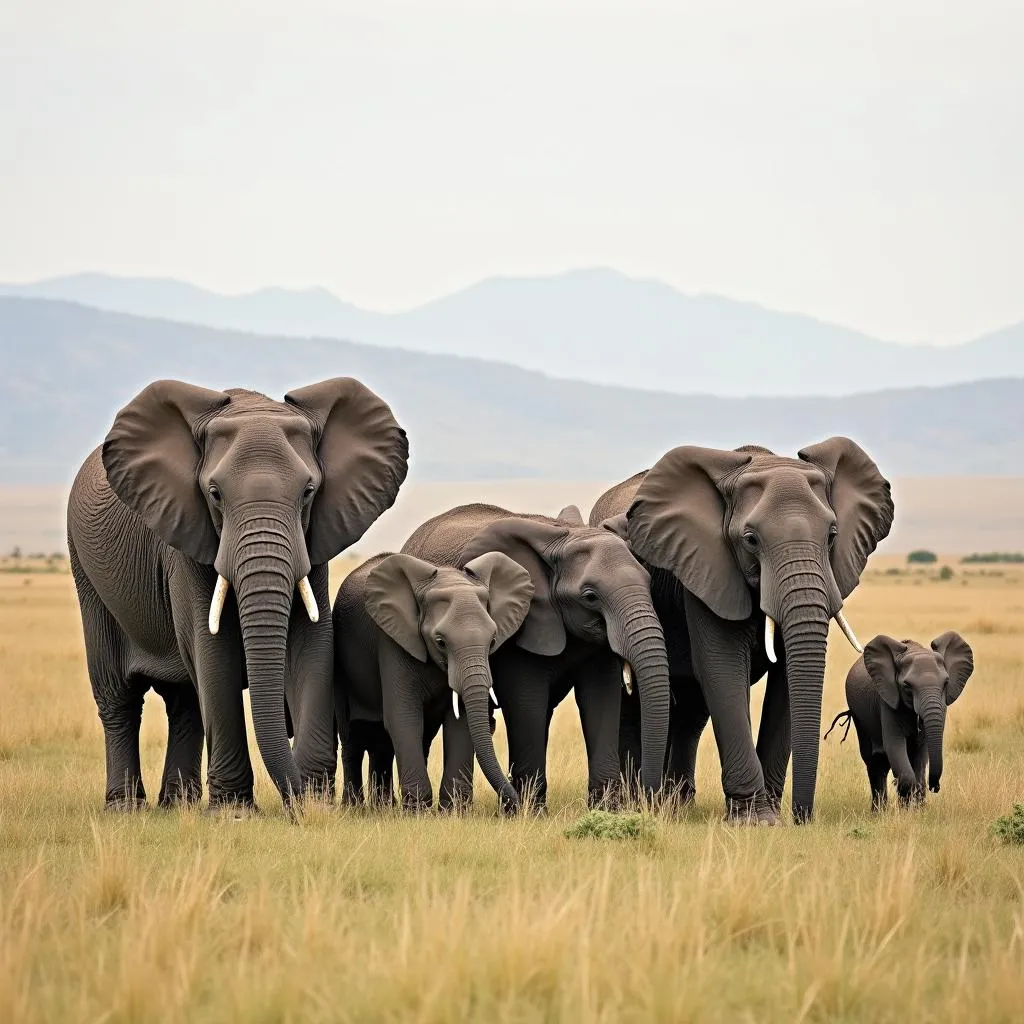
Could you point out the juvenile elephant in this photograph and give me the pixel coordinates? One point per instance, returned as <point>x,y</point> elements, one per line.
<point>412,641</point>
<point>737,542</point>
<point>189,532</point>
<point>591,612</point>
<point>898,693</point>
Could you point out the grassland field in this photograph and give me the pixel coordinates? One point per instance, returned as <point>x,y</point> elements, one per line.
<point>351,916</point>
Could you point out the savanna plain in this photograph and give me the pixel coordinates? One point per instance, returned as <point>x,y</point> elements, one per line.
<point>349,916</point>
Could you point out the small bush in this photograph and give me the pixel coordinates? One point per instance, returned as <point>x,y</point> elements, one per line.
<point>1010,827</point>
<point>605,825</point>
<point>945,573</point>
<point>922,557</point>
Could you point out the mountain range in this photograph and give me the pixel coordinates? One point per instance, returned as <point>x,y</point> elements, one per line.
<point>67,368</point>
<point>593,325</point>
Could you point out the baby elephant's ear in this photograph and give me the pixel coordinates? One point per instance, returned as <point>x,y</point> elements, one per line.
<point>392,589</point>
<point>509,590</point>
<point>881,657</point>
<point>958,658</point>
<point>571,514</point>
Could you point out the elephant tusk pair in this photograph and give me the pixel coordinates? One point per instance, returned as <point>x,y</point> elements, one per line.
<point>769,635</point>
<point>627,677</point>
<point>220,593</point>
<point>455,701</point>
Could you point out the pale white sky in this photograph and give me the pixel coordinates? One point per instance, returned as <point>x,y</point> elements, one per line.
<point>862,162</point>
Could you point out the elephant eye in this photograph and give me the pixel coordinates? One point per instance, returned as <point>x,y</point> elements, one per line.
<point>214,492</point>
<point>750,539</point>
<point>833,532</point>
<point>590,596</point>
<point>307,494</point>
<point>439,640</point>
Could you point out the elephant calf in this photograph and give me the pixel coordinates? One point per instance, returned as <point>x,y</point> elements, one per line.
<point>898,692</point>
<point>412,642</point>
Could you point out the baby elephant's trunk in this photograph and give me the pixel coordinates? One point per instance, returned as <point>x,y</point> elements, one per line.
<point>933,714</point>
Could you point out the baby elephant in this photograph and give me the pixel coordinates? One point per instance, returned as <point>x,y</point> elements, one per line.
<point>412,644</point>
<point>898,693</point>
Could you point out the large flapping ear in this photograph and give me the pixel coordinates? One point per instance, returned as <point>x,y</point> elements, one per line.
<point>364,459</point>
<point>677,522</point>
<point>881,657</point>
<point>529,542</point>
<point>862,501</point>
<point>958,658</point>
<point>152,456</point>
<point>509,591</point>
<point>392,601</point>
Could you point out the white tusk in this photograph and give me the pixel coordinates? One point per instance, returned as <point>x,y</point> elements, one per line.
<point>627,677</point>
<point>455,703</point>
<point>308,599</point>
<point>494,697</point>
<point>769,638</point>
<point>850,635</point>
<point>220,593</point>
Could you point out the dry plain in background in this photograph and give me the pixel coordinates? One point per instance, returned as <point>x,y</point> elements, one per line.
<point>177,915</point>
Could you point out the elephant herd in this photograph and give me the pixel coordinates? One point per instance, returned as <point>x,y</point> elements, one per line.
<point>204,513</point>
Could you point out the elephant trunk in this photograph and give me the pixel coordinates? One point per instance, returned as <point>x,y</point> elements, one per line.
<point>635,634</point>
<point>469,675</point>
<point>933,714</point>
<point>264,578</point>
<point>798,590</point>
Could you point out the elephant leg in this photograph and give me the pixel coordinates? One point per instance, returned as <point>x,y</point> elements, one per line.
<point>689,716</point>
<point>525,705</point>
<point>309,689</point>
<point>774,737</point>
<point>353,751</point>
<point>182,779</point>
<point>878,777</point>
<point>597,689</point>
<point>629,743</point>
<point>721,658</point>
<point>404,722</point>
<point>457,775</point>
<point>917,750</point>
<point>382,761</point>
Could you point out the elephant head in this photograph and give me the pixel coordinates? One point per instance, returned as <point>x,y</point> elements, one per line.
<point>923,680</point>
<point>262,490</point>
<point>456,618</point>
<point>745,530</point>
<point>588,584</point>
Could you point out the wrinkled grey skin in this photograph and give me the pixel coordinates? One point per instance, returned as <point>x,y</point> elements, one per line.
<point>408,636</point>
<point>898,692</point>
<point>730,537</point>
<point>591,609</point>
<point>192,483</point>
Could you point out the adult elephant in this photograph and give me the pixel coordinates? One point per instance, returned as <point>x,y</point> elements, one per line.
<point>591,623</point>
<point>739,542</point>
<point>198,493</point>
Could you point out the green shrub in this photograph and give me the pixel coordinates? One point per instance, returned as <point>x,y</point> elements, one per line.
<point>605,825</point>
<point>1010,827</point>
<point>922,557</point>
<point>992,557</point>
<point>945,573</point>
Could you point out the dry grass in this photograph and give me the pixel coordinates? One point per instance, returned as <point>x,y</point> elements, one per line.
<point>179,916</point>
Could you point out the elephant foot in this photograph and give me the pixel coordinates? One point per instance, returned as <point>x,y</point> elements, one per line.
<point>238,808</point>
<point>605,798</point>
<point>455,807</point>
<point>180,796</point>
<point>755,810</point>
<point>125,804</point>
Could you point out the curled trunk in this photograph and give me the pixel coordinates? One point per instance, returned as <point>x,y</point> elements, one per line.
<point>264,580</point>
<point>933,714</point>
<point>469,676</point>
<point>635,634</point>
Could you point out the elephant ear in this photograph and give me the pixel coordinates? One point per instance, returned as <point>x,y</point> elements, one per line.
<point>677,522</point>
<point>364,459</point>
<point>881,658</point>
<point>392,587</point>
<point>571,514</point>
<point>152,456</point>
<point>862,501</point>
<point>528,541</point>
<point>619,525</point>
<point>958,658</point>
<point>509,591</point>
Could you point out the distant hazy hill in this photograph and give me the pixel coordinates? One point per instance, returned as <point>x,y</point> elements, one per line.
<point>593,325</point>
<point>68,368</point>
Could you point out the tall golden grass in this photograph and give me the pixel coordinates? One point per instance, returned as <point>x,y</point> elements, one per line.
<point>345,916</point>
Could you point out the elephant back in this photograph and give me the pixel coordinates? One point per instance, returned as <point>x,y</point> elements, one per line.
<point>617,499</point>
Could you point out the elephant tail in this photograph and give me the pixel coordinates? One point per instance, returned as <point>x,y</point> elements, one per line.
<point>838,720</point>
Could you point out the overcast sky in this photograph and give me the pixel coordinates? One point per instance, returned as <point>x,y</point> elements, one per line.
<point>863,162</point>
